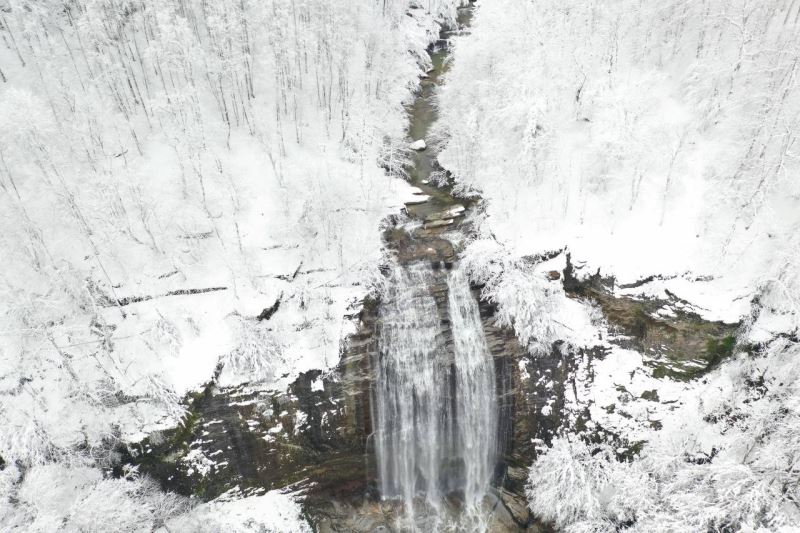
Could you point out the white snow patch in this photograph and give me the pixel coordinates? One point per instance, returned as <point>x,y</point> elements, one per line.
<point>273,511</point>
<point>418,145</point>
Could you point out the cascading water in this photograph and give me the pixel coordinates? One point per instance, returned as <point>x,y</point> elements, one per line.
<point>476,400</point>
<point>436,406</point>
<point>414,432</point>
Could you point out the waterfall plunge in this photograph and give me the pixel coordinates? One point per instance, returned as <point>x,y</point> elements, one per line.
<point>476,399</point>
<point>436,406</point>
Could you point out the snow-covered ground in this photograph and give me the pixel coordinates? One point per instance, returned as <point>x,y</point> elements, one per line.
<point>56,497</point>
<point>169,170</point>
<point>656,143</point>
<point>651,138</point>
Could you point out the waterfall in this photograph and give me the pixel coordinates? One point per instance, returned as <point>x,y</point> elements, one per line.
<point>476,399</point>
<point>414,432</point>
<point>436,403</point>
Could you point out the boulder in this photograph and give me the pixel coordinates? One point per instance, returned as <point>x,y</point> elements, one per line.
<point>418,145</point>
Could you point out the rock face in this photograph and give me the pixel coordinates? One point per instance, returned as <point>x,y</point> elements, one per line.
<point>317,438</point>
<point>520,404</point>
<point>531,397</point>
<point>249,440</point>
<point>685,345</point>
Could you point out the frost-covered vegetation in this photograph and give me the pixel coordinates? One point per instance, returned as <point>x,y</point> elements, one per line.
<point>168,171</point>
<point>651,137</point>
<point>655,141</point>
<point>724,457</point>
<point>192,189</point>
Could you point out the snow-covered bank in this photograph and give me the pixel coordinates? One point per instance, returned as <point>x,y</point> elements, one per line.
<point>650,138</point>
<point>708,454</point>
<point>56,497</point>
<point>273,511</point>
<point>168,172</point>
<point>656,143</point>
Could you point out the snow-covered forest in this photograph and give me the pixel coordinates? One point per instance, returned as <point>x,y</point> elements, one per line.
<point>656,142</point>
<point>170,169</point>
<point>196,192</point>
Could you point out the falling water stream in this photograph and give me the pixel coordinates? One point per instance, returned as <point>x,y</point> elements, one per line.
<point>436,401</point>
<point>436,409</point>
<point>475,394</point>
<point>415,434</point>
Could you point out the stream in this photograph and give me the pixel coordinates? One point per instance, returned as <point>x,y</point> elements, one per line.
<point>436,410</point>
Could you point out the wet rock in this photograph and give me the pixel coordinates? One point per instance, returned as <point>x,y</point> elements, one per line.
<point>446,215</point>
<point>680,343</point>
<point>516,510</point>
<point>438,223</point>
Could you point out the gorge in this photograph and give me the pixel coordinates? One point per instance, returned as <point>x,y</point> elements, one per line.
<point>433,413</point>
<point>315,266</point>
<point>419,413</point>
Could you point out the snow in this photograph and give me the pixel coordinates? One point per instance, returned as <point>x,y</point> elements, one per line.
<point>631,168</point>
<point>536,307</point>
<point>273,511</point>
<point>728,426</point>
<point>162,184</point>
<point>165,179</point>
<point>648,141</point>
<point>78,498</point>
<point>418,145</point>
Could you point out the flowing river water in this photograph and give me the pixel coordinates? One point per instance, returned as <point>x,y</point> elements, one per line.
<point>436,404</point>
<point>435,408</point>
